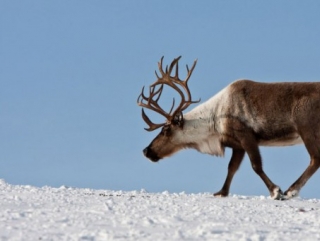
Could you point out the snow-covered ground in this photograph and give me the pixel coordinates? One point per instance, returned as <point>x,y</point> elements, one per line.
<point>31,213</point>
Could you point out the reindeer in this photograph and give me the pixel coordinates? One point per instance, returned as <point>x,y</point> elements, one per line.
<point>242,116</point>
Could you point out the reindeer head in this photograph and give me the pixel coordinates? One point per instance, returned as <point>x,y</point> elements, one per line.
<point>168,141</point>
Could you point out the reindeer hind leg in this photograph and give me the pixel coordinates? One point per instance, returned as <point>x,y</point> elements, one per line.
<point>311,139</point>
<point>307,120</point>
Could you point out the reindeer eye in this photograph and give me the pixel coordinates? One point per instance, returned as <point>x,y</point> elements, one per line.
<point>178,119</point>
<point>166,130</point>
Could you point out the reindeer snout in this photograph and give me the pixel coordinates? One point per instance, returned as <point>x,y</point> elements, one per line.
<point>147,152</point>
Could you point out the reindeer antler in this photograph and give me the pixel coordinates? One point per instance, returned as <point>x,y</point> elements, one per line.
<point>173,82</point>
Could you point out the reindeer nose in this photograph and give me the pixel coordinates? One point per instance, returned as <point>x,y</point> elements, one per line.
<point>145,151</point>
<point>148,153</point>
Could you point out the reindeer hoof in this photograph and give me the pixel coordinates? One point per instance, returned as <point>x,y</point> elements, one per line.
<point>221,194</point>
<point>277,194</point>
<point>291,193</point>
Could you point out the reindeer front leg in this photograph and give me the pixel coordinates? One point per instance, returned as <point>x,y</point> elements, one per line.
<point>234,164</point>
<point>251,147</point>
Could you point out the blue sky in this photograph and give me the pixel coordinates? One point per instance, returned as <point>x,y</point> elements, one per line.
<point>71,71</point>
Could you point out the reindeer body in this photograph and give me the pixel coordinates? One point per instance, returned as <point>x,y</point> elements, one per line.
<point>244,116</point>
<point>272,112</point>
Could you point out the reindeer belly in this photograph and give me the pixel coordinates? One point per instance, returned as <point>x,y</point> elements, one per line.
<point>290,140</point>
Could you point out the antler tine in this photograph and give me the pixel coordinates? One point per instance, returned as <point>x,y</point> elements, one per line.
<point>190,71</point>
<point>167,72</point>
<point>152,104</point>
<point>167,79</point>
<point>177,70</point>
<point>158,81</point>
<point>141,96</point>
<point>172,106</point>
<point>184,84</point>
<point>151,125</point>
<point>147,99</point>
<point>159,90</point>
<point>174,62</point>
<point>160,66</point>
<point>152,93</point>
<point>156,74</point>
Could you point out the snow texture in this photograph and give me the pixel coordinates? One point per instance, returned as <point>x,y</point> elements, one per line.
<point>32,213</point>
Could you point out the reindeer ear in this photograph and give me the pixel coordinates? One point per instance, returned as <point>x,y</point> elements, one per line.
<point>178,119</point>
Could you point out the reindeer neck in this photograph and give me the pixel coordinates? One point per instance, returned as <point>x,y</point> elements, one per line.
<point>203,115</point>
<point>200,126</point>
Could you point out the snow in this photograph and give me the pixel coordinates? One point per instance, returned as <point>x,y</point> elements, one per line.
<point>47,213</point>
